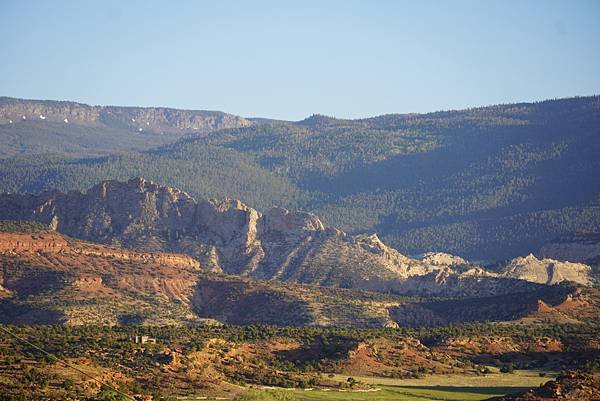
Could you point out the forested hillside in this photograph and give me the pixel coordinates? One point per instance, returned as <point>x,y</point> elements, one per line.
<point>484,183</point>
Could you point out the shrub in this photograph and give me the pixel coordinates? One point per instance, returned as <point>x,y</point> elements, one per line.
<point>265,395</point>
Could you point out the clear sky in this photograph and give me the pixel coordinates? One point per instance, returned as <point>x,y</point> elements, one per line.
<point>289,59</point>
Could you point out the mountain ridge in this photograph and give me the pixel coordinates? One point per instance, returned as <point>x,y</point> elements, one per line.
<point>153,119</point>
<point>77,129</point>
<point>313,117</point>
<point>228,236</point>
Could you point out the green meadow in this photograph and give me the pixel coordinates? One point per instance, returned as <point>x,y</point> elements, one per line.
<point>434,388</point>
<point>431,388</point>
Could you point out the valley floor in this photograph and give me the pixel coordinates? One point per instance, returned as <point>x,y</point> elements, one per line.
<point>429,388</point>
<point>518,378</point>
<point>434,387</point>
<point>268,363</point>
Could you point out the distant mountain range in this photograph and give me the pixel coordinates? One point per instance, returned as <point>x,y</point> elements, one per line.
<point>486,183</point>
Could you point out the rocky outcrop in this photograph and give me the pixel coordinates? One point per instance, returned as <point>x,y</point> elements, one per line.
<point>443,259</point>
<point>162,259</point>
<point>541,304</point>
<point>225,235</point>
<point>547,271</point>
<point>47,278</point>
<point>32,242</point>
<point>568,387</point>
<point>52,242</point>
<point>140,119</point>
<point>230,237</point>
<point>92,283</point>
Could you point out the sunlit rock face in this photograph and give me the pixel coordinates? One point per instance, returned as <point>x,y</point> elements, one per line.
<point>231,237</point>
<point>547,271</point>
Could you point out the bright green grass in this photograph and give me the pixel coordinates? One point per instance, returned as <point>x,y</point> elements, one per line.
<point>431,388</point>
<point>389,393</point>
<point>519,378</point>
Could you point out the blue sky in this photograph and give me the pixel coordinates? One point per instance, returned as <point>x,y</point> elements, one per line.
<point>290,59</point>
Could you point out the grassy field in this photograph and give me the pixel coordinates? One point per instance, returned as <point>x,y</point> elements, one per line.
<point>519,378</point>
<point>434,388</point>
<point>430,388</point>
<point>409,393</point>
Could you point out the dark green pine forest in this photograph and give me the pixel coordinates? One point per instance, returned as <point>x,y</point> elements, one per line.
<point>485,183</point>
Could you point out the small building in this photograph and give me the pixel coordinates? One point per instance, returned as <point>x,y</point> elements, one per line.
<point>143,339</point>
